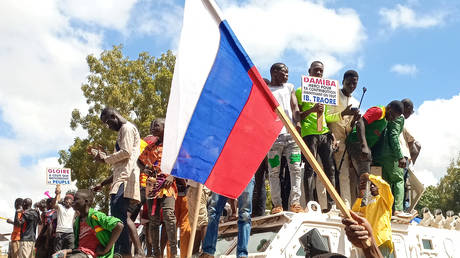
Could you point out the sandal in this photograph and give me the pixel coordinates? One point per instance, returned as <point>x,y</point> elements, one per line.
<point>277,209</point>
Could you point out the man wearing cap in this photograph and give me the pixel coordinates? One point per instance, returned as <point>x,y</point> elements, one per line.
<point>65,214</point>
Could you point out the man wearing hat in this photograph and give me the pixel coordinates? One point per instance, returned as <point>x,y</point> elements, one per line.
<point>65,214</point>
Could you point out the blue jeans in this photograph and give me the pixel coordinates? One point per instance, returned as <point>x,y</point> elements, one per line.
<point>216,205</point>
<point>119,209</point>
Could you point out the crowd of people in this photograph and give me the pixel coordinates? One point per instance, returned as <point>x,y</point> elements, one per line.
<point>346,143</point>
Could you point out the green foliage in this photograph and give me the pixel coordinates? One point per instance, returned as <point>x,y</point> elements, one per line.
<point>139,89</point>
<point>430,199</point>
<point>445,195</point>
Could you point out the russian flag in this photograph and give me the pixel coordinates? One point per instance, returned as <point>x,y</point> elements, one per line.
<point>221,119</point>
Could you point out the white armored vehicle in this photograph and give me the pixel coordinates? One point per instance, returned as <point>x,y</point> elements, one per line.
<point>278,235</point>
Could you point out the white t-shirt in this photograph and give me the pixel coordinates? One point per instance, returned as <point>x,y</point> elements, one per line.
<point>64,219</point>
<point>282,94</point>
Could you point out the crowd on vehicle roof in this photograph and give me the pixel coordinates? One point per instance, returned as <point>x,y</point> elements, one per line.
<point>346,142</point>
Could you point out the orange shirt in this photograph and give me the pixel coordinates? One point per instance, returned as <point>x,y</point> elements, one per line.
<point>151,158</point>
<point>16,234</point>
<point>149,140</point>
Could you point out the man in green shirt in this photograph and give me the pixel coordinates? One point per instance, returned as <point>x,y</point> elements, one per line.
<point>388,154</point>
<point>367,133</point>
<point>319,142</point>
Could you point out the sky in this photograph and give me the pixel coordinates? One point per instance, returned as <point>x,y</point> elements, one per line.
<point>401,49</point>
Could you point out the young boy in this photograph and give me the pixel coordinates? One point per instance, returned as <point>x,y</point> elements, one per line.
<point>95,233</point>
<point>161,191</point>
<point>46,238</point>
<point>16,234</point>
<point>29,221</point>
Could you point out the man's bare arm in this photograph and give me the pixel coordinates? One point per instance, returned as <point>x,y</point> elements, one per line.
<point>16,217</point>
<point>57,198</point>
<point>295,109</point>
<point>113,238</point>
<point>358,231</point>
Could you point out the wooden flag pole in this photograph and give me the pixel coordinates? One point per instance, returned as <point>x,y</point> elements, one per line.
<point>195,221</point>
<point>306,152</point>
<point>314,164</point>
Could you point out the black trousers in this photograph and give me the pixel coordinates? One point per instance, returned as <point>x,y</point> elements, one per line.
<point>319,145</point>
<point>63,241</point>
<point>259,195</point>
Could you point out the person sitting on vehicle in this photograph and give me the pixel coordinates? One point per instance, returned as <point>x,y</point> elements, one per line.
<point>95,232</point>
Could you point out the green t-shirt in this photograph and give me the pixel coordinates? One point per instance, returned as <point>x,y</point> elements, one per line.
<point>376,123</point>
<point>102,225</point>
<point>309,124</point>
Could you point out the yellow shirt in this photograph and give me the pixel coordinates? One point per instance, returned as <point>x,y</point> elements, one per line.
<point>378,211</point>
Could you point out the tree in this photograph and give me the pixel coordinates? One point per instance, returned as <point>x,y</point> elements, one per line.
<point>139,89</point>
<point>429,199</point>
<point>446,194</point>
